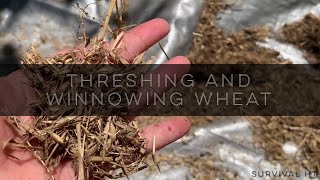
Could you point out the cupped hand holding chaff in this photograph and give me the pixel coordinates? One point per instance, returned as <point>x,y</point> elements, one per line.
<point>16,164</point>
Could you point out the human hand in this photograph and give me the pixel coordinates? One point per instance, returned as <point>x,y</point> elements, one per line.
<point>17,164</point>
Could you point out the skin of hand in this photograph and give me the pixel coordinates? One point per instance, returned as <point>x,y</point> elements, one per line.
<point>26,167</point>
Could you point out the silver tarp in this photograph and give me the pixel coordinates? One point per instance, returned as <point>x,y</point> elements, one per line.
<point>52,25</point>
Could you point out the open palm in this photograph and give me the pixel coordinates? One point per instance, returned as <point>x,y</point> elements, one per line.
<point>18,164</point>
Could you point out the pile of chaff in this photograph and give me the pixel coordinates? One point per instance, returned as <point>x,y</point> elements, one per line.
<point>98,146</point>
<point>305,35</point>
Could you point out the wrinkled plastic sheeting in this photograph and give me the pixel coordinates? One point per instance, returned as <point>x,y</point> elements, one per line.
<point>273,13</point>
<point>35,23</point>
<point>52,25</point>
<point>182,16</point>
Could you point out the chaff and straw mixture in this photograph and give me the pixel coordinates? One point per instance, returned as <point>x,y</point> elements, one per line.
<point>98,146</point>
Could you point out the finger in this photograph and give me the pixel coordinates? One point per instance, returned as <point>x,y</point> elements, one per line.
<point>136,40</point>
<point>142,37</point>
<point>165,132</point>
<point>180,66</point>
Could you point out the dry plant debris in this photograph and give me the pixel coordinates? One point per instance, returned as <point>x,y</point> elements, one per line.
<point>200,168</point>
<point>196,121</point>
<point>305,35</point>
<point>99,146</point>
<point>212,46</point>
<point>273,132</point>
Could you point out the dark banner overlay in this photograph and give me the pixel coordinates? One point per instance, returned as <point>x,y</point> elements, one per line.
<point>217,90</point>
